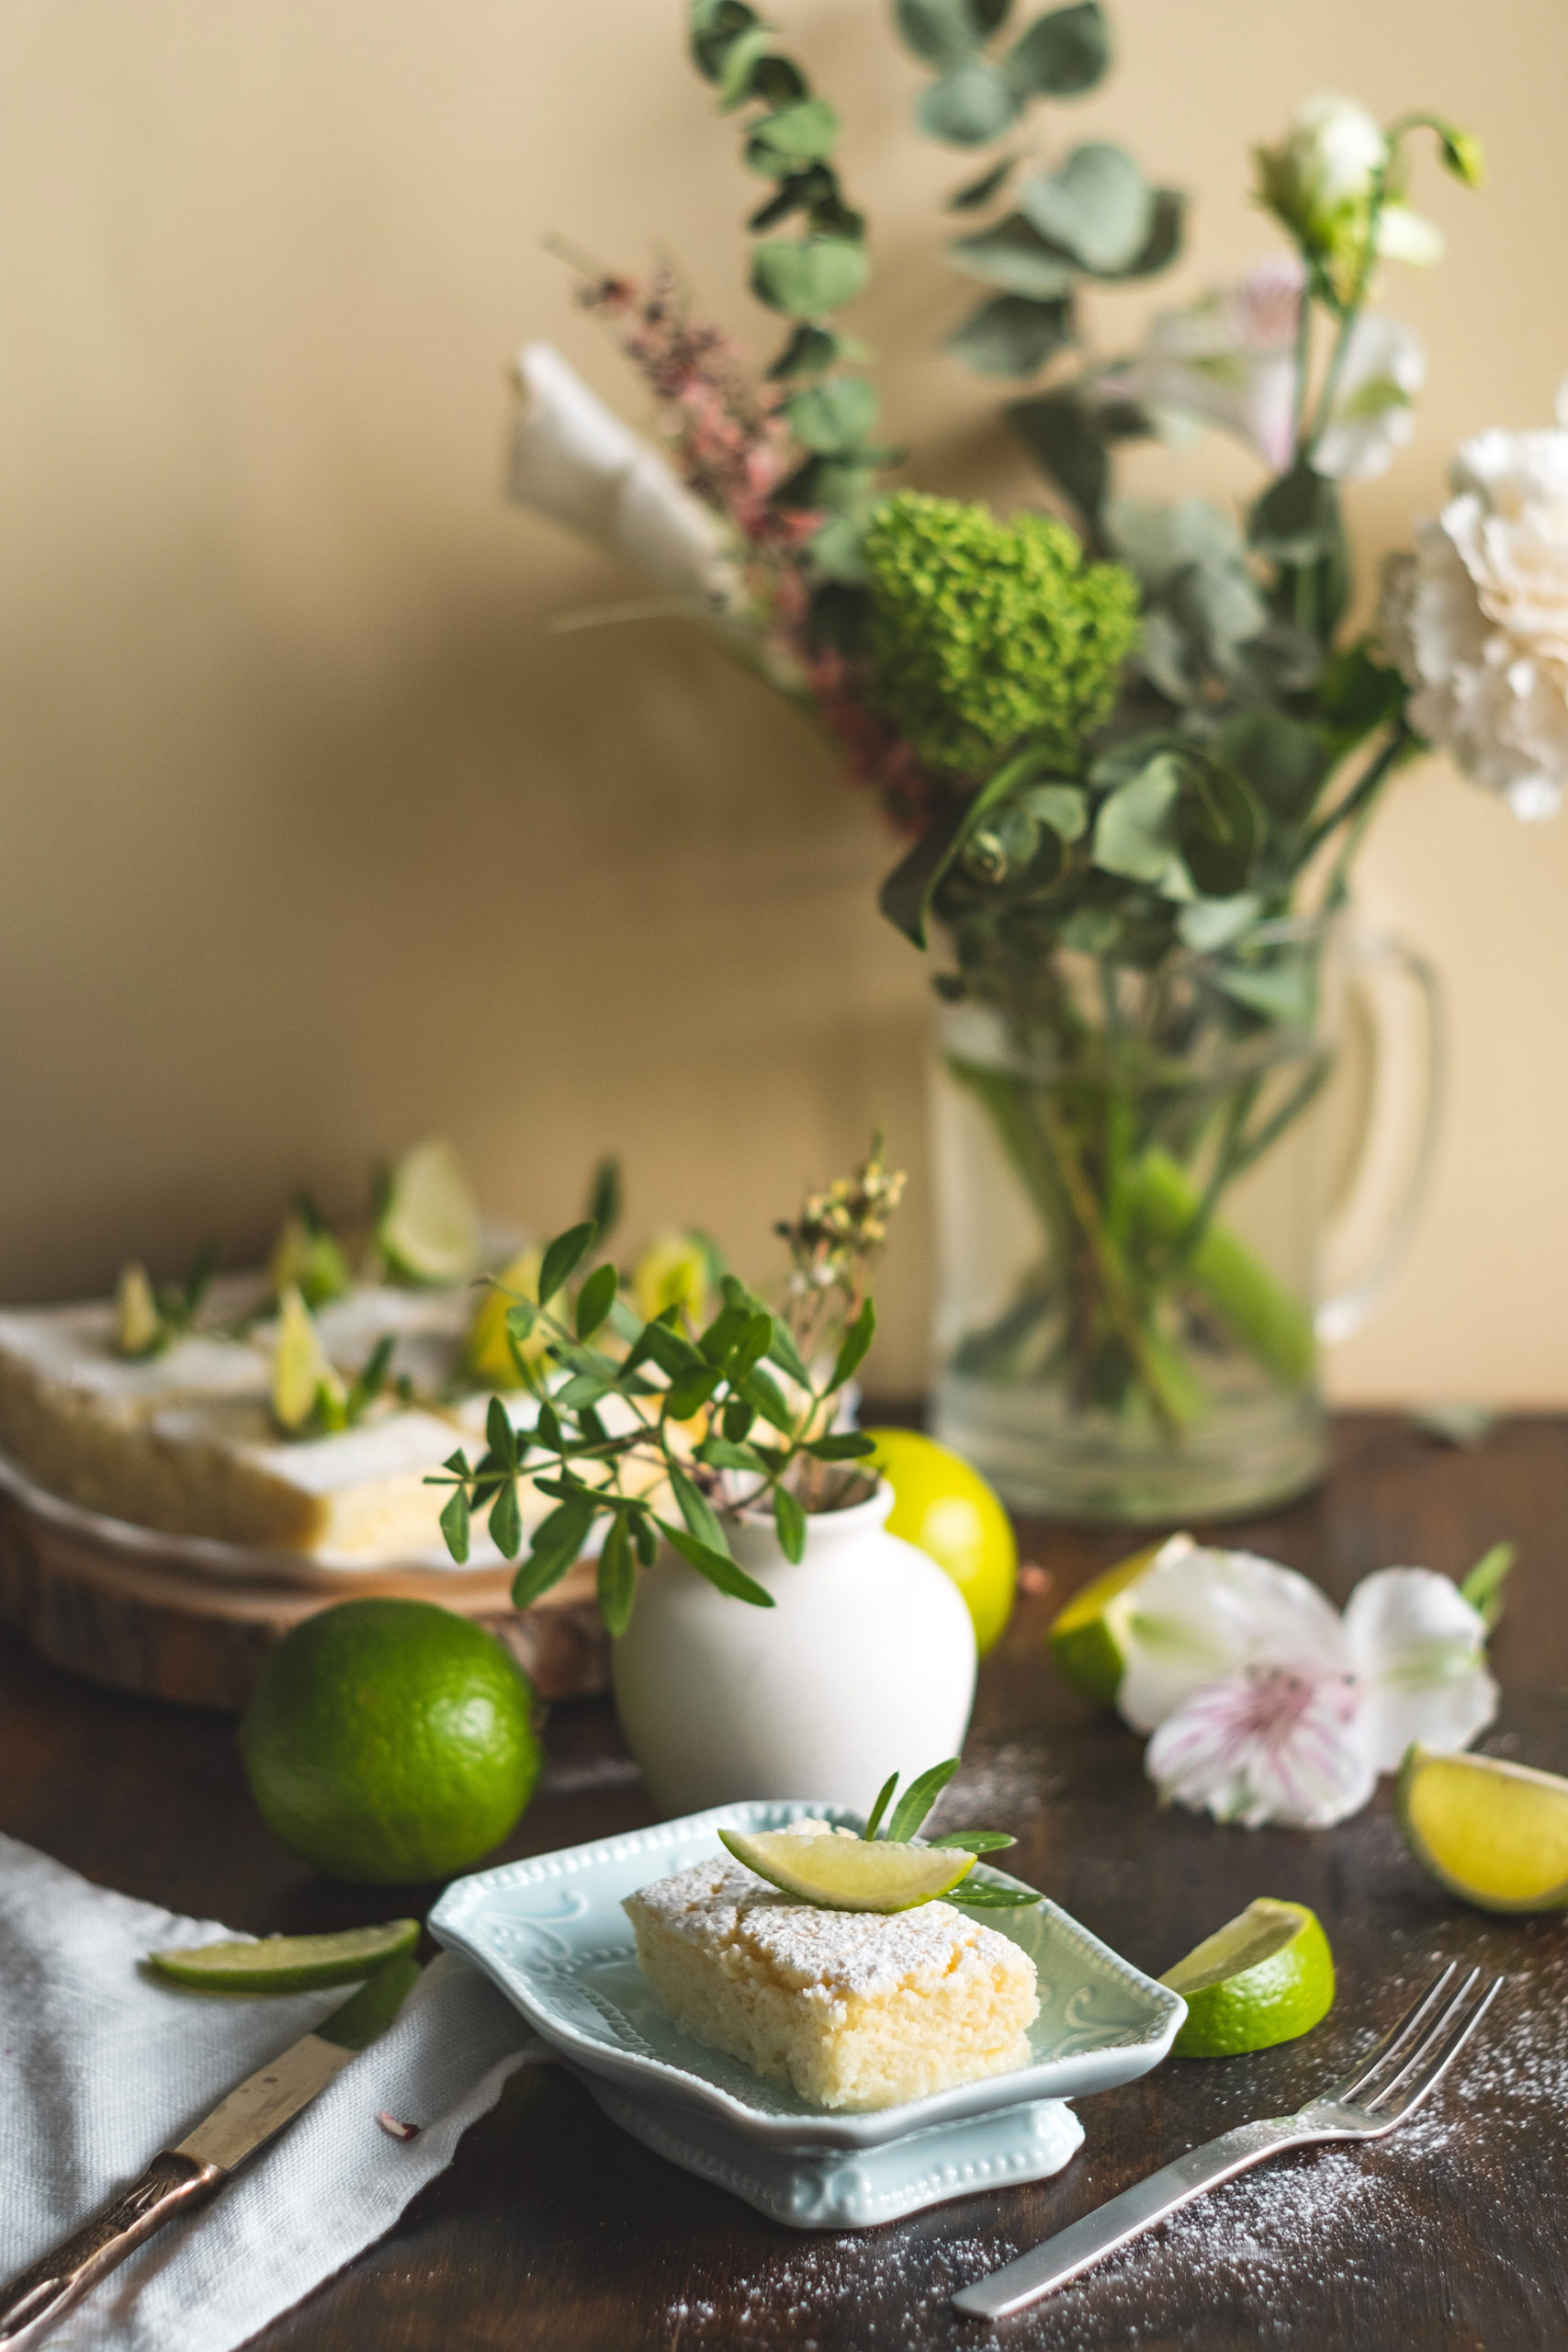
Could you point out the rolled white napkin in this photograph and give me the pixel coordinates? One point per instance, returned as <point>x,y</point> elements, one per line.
<point>106,2063</point>
<point>573,460</point>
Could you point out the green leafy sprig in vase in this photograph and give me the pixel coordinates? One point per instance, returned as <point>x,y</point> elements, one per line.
<point>1134,753</point>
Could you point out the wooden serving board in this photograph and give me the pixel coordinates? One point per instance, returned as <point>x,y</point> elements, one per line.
<point>170,1632</point>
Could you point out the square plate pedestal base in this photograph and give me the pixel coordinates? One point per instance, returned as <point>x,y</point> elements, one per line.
<point>850,2189</point>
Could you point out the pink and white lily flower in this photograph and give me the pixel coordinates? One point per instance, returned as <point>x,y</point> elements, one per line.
<point>1229,360</point>
<point>1267,1705</point>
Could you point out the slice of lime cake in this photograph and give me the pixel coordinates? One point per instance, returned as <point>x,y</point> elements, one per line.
<point>854,2009</point>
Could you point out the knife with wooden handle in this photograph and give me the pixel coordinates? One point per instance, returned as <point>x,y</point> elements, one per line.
<point>181,2177</point>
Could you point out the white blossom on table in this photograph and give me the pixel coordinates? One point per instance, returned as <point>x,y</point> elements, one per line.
<point>1265,1704</point>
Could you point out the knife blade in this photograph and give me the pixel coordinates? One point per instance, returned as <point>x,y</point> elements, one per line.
<point>187,2175</point>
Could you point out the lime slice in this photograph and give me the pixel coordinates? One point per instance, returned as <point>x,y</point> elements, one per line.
<point>1265,1976</point>
<point>1494,1833</point>
<point>429,1225</point>
<point>138,1324</point>
<point>673,1271</point>
<point>288,1964</point>
<point>309,1258</point>
<point>302,1371</point>
<point>1084,1637</point>
<point>847,1873</point>
<point>488,1360</point>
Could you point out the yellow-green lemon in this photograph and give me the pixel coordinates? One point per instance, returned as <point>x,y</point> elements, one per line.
<point>390,1741</point>
<point>947,1509</point>
<point>487,1359</point>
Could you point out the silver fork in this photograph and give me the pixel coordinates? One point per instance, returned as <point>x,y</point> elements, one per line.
<point>1375,2097</point>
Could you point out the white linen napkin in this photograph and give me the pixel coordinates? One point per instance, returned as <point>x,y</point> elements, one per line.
<point>101,2064</point>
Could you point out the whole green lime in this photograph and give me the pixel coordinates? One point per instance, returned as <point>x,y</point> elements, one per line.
<point>945,1507</point>
<point>390,1741</point>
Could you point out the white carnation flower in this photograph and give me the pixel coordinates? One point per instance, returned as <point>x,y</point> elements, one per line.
<point>1477,617</point>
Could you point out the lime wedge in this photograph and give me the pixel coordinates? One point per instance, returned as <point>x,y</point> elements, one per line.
<point>849,1873</point>
<point>309,1258</point>
<point>1084,1640</point>
<point>302,1371</point>
<point>1265,1976</point>
<point>429,1225</point>
<point>488,1360</point>
<point>1494,1833</point>
<point>288,1964</point>
<point>138,1324</point>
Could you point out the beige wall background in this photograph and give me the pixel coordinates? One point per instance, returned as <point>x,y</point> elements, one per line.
<point>313,839</point>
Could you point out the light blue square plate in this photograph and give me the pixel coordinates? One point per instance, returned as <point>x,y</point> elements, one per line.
<point>551,1933</point>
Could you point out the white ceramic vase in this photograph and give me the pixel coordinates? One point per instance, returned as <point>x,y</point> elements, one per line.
<point>864,1666</point>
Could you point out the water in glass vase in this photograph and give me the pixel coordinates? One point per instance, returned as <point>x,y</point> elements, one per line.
<point>1132,1187</point>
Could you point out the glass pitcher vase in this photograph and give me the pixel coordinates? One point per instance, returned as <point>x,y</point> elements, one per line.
<point>1139,1185</point>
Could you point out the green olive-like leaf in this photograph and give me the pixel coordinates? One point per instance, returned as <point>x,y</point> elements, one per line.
<point>616,1578</point>
<point>789,1519</point>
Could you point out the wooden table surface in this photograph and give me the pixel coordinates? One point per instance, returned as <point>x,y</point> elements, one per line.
<point>552,2230</point>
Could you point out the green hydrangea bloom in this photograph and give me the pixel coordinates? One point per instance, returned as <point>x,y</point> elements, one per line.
<point>983,632</point>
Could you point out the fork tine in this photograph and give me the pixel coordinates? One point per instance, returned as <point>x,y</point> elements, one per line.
<point>1432,2039</point>
<point>1396,2037</point>
<point>1440,2054</point>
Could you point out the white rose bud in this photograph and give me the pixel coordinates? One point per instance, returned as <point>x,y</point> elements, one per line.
<point>1319,182</point>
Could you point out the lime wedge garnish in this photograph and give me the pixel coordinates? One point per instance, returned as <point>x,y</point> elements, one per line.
<point>309,1258</point>
<point>429,1225</point>
<point>1494,1833</point>
<point>1265,1976</point>
<point>849,1873</point>
<point>139,1326</point>
<point>488,1360</point>
<point>1084,1637</point>
<point>288,1964</point>
<point>302,1371</point>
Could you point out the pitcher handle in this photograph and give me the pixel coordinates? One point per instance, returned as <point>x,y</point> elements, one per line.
<point>1346,1311</point>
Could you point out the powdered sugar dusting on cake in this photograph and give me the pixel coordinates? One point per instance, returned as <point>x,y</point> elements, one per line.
<point>859,1954</point>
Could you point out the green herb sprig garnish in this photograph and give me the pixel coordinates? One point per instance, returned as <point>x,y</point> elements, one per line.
<point>905,1822</point>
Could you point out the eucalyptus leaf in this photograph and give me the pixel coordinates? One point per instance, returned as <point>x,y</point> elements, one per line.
<point>1219,828</point>
<point>808,352</point>
<point>1012,335</point>
<point>942,31</point>
<point>1061,806</point>
<point>974,195</point>
<point>1062,54</point>
<point>1097,206</point>
<point>806,277</point>
<point>742,57</point>
<point>1297,518</point>
<point>1162,244</point>
<point>835,416</point>
<point>1012,253</point>
<point>969,105</point>
<point>1211,923</point>
<point>1283,760</point>
<point>1135,830</point>
<point>802,133</point>
<point>1061,436</point>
